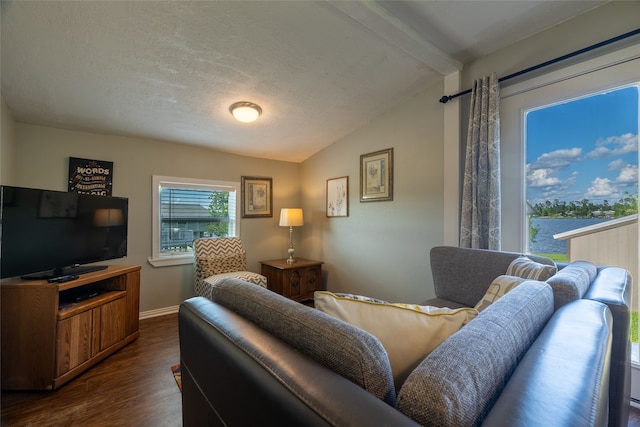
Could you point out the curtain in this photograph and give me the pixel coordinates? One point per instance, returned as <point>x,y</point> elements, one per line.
<point>480,216</point>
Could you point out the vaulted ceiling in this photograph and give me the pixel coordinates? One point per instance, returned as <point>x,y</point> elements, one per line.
<point>319,69</point>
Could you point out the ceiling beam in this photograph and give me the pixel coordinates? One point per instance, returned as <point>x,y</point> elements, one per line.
<point>378,20</point>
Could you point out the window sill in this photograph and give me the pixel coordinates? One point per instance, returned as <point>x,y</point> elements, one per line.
<point>169,261</point>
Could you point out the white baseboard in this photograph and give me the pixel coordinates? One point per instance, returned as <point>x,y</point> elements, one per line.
<point>159,312</point>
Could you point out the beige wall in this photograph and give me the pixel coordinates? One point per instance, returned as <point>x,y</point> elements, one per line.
<point>42,162</point>
<point>602,23</point>
<point>7,144</point>
<point>382,248</point>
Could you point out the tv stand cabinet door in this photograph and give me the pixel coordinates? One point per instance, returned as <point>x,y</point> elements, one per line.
<point>74,341</point>
<point>111,323</point>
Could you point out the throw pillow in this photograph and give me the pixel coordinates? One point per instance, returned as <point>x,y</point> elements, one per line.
<point>572,282</point>
<point>408,332</point>
<point>350,351</point>
<point>222,264</point>
<point>458,383</point>
<point>528,269</point>
<point>500,286</point>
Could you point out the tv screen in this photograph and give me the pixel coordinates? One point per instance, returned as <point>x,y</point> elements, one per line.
<point>46,234</point>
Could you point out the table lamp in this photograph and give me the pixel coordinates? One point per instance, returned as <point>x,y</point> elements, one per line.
<point>291,217</point>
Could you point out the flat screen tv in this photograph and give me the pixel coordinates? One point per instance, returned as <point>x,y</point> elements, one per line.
<point>47,234</point>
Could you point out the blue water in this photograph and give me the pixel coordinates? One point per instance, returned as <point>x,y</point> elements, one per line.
<point>545,243</point>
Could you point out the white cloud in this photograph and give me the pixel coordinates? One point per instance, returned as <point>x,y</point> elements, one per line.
<point>617,165</point>
<point>558,158</point>
<point>615,146</point>
<point>628,174</point>
<point>541,178</point>
<point>601,188</point>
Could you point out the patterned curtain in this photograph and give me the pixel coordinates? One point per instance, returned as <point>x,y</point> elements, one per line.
<point>480,216</point>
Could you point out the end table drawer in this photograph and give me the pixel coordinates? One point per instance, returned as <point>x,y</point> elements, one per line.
<point>301,283</point>
<point>297,281</point>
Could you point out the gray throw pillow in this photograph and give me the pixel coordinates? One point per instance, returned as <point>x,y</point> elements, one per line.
<point>351,352</point>
<point>572,282</point>
<point>458,383</point>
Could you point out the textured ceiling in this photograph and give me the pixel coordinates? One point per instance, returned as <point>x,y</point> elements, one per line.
<point>318,69</point>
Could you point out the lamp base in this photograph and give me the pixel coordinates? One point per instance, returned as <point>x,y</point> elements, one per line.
<point>291,259</point>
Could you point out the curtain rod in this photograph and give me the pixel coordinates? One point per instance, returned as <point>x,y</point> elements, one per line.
<point>447,98</point>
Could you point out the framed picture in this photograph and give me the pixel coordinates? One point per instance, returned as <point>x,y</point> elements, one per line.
<point>338,197</point>
<point>376,176</point>
<point>87,176</point>
<point>256,197</point>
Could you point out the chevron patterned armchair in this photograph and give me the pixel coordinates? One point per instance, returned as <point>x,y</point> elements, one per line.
<point>217,258</point>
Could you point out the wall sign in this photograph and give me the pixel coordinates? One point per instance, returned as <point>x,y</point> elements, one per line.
<point>90,176</point>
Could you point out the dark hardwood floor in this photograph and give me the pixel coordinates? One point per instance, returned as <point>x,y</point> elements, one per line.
<point>133,387</point>
<point>634,417</point>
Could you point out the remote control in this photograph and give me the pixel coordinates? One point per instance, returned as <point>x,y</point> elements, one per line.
<point>63,279</point>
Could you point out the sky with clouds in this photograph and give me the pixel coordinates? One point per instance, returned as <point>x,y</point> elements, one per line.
<point>584,149</point>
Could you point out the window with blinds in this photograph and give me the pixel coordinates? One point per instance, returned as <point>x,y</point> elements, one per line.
<point>187,209</point>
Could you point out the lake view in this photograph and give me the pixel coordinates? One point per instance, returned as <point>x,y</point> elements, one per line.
<point>546,244</point>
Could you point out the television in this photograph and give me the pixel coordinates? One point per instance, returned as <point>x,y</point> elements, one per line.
<point>47,234</point>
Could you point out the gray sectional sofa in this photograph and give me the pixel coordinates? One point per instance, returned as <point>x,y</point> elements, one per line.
<point>453,267</point>
<point>547,353</point>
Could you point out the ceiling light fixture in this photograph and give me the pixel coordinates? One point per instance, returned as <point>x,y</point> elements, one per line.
<point>246,112</point>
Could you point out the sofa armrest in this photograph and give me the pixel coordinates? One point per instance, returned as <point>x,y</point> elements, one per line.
<point>235,373</point>
<point>612,286</point>
<point>563,379</point>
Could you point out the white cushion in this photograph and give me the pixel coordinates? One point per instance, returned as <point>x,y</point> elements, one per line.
<point>500,286</point>
<point>408,332</point>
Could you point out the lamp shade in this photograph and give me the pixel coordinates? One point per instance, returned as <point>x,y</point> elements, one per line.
<point>291,217</point>
<point>108,217</point>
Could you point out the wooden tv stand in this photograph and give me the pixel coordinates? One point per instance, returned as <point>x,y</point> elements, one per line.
<point>48,337</point>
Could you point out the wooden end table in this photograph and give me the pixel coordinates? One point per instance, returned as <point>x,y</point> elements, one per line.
<point>297,281</point>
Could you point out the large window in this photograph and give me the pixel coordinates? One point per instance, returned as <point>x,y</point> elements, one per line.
<point>581,166</point>
<point>518,101</point>
<point>561,162</point>
<point>186,209</point>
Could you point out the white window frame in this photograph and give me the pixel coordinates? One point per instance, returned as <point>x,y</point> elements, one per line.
<point>159,182</point>
<point>583,80</point>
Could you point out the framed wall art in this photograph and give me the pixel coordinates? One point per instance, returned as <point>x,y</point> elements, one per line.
<point>87,176</point>
<point>376,176</point>
<point>338,197</point>
<point>257,198</point>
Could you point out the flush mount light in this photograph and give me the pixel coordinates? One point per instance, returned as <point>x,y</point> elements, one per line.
<point>245,111</point>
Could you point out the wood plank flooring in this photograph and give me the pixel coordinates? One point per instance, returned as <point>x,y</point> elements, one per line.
<point>634,417</point>
<point>134,387</point>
